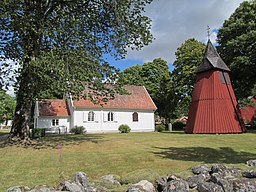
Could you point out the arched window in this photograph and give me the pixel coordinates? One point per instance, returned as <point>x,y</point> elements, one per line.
<point>91,116</point>
<point>110,116</point>
<point>135,117</point>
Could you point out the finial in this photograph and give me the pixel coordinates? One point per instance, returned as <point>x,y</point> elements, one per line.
<point>208,32</point>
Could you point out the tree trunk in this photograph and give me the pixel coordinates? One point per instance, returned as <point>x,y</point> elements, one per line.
<point>21,121</point>
<point>23,111</point>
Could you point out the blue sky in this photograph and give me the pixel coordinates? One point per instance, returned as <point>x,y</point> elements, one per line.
<point>125,63</point>
<point>173,22</point>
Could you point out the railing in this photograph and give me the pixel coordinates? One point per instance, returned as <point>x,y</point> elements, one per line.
<point>56,130</point>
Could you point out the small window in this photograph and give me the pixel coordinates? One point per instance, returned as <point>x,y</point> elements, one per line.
<point>55,122</point>
<point>91,116</point>
<point>135,117</point>
<point>110,116</point>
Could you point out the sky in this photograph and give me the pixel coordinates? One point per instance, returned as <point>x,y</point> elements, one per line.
<point>173,22</point>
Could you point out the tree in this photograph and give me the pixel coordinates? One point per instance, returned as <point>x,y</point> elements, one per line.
<point>188,58</point>
<point>132,75</point>
<point>153,73</point>
<point>237,47</point>
<point>155,76</point>
<point>157,80</point>
<point>48,36</point>
<point>7,107</point>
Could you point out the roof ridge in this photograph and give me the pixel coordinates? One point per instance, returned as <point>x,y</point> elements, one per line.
<point>211,60</point>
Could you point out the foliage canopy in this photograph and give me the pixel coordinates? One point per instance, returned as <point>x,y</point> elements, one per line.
<point>237,47</point>
<point>188,58</point>
<point>7,106</point>
<point>156,77</point>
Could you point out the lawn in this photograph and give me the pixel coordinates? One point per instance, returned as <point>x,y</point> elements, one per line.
<point>132,156</point>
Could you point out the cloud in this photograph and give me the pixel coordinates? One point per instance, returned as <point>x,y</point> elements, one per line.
<point>174,21</point>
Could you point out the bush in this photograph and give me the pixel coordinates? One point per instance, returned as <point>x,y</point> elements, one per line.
<point>178,125</point>
<point>78,130</point>
<point>160,128</point>
<point>251,125</point>
<point>124,128</point>
<point>38,132</point>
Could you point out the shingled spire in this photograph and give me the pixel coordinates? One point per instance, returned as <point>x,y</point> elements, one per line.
<point>211,60</point>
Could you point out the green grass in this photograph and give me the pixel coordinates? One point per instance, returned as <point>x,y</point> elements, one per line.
<point>132,156</point>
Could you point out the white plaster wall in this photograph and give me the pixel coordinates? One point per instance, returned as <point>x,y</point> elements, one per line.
<point>46,122</point>
<point>146,121</point>
<point>71,111</point>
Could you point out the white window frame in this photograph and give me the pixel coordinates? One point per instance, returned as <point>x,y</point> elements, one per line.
<point>91,116</point>
<point>110,116</point>
<point>55,122</point>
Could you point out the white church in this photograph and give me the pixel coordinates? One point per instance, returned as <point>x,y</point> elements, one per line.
<point>135,109</point>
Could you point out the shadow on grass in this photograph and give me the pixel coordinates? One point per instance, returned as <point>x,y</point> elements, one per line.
<point>251,131</point>
<point>71,139</point>
<point>174,132</point>
<point>205,154</point>
<point>54,141</point>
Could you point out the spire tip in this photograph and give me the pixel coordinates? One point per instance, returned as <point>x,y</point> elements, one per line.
<point>208,32</point>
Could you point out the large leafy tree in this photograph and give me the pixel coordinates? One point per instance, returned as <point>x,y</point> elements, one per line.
<point>155,76</point>
<point>188,58</point>
<point>132,75</point>
<point>7,106</point>
<point>60,44</point>
<point>237,47</point>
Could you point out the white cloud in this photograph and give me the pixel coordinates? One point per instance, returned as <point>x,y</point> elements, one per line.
<point>174,21</point>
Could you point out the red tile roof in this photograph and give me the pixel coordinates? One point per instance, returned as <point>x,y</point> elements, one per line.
<point>53,107</point>
<point>137,99</point>
<point>249,112</point>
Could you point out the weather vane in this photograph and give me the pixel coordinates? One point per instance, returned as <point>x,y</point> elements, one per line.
<point>208,32</point>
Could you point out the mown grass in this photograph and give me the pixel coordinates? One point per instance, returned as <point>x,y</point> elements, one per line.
<point>132,156</point>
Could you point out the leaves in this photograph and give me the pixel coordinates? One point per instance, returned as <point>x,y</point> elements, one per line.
<point>237,39</point>
<point>188,58</point>
<point>94,27</point>
<point>155,76</point>
<point>7,106</point>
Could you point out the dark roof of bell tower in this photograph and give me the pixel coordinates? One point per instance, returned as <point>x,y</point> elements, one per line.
<point>211,60</point>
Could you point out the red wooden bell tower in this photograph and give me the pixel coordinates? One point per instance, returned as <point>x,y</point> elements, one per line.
<point>214,107</point>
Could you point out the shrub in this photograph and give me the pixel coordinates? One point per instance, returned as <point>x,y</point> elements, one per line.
<point>124,128</point>
<point>38,132</point>
<point>78,130</point>
<point>251,125</point>
<point>160,128</point>
<point>178,125</point>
